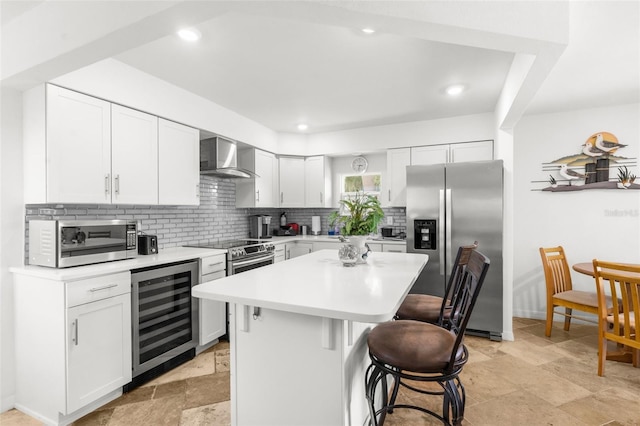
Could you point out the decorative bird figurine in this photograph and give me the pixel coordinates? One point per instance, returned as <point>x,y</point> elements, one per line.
<point>570,174</point>
<point>591,150</point>
<point>607,146</point>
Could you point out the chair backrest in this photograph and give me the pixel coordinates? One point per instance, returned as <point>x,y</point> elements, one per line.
<point>556,270</point>
<point>622,282</point>
<point>457,273</point>
<point>464,296</point>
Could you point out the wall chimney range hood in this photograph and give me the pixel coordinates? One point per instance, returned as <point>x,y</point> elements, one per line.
<point>219,157</point>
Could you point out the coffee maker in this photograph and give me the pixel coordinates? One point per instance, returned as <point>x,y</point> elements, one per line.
<point>259,226</point>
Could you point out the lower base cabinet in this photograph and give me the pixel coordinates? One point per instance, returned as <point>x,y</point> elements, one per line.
<point>298,249</point>
<point>211,313</point>
<point>73,344</point>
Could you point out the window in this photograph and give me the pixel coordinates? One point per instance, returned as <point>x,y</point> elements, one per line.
<point>369,183</point>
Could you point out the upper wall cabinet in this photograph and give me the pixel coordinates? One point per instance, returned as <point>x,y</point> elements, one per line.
<point>79,149</point>
<point>396,182</point>
<point>262,190</point>
<point>134,136</point>
<point>452,153</point>
<point>291,171</point>
<point>178,163</point>
<point>317,181</point>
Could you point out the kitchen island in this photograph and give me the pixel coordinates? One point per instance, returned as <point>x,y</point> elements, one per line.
<point>298,334</point>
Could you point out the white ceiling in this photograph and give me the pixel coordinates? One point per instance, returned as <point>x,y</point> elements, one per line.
<point>280,70</point>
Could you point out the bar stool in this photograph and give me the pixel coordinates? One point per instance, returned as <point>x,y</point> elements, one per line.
<point>429,308</point>
<point>414,351</point>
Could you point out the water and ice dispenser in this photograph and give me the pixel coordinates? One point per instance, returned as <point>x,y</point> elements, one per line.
<point>424,234</point>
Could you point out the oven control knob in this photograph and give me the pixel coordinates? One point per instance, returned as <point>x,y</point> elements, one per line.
<point>269,247</point>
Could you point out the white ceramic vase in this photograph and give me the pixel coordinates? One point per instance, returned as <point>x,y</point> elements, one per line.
<point>359,241</point>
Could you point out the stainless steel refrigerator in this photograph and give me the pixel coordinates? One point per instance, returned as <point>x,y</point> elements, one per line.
<point>450,205</point>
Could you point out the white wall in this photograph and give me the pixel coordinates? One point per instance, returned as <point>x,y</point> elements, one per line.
<point>116,82</point>
<point>579,221</point>
<point>11,231</point>
<point>369,139</point>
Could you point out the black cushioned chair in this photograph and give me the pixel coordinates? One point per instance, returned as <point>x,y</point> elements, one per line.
<point>414,351</point>
<point>429,308</point>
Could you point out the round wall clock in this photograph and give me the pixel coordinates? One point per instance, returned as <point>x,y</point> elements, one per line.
<point>359,164</point>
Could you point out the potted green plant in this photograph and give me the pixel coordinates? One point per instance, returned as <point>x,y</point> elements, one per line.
<point>361,215</point>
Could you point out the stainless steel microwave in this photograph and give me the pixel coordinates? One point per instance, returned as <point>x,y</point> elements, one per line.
<point>64,243</point>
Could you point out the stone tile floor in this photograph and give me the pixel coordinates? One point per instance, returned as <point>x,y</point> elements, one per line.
<point>534,380</point>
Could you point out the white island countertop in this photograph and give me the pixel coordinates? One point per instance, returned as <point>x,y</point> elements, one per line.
<point>317,284</point>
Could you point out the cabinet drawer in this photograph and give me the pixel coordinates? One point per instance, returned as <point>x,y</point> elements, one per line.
<point>213,276</point>
<point>211,264</point>
<point>394,248</point>
<point>97,288</point>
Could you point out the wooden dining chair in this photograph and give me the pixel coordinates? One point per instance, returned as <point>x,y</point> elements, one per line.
<point>622,282</point>
<point>560,292</point>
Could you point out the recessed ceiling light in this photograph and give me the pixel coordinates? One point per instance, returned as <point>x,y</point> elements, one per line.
<point>455,89</point>
<point>302,126</point>
<point>368,30</point>
<point>189,34</point>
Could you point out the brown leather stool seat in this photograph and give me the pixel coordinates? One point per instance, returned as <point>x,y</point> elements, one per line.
<point>420,307</point>
<point>414,346</point>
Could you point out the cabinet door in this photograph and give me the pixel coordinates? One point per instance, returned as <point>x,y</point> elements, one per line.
<point>212,314</point>
<point>178,164</point>
<point>317,179</point>
<point>291,182</point>
<point>298,249</point>
<point>426,155</point>
<point>78,147</point>
<point>134,156</point>
<point>280,253</point>
<point>397,162</point>
<point>471,151</point>
<point>98,349</point>
<point>267,182</point>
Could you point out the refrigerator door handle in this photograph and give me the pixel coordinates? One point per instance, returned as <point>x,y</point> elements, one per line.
<point>448,211</point>
<point>441,228</point>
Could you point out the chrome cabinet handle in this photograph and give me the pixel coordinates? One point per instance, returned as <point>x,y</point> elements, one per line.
<point>197,190</point>
<point>104,287</point>
<point>321,197</point>
<point>389,195</point>
<point>258,195</point>
<point>217,263</point>
<point>281,197</point>
<point>106,184</point>
<point>117,179</point>
<point>74,339</point>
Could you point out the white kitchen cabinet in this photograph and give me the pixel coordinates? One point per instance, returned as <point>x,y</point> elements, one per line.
<point>134,156</point>
<point>394,248</point>
<point>279,253</point>
<point>67,143</point>
<point>291,181</point>
<point>452,153</point>
<point>83,329</point>
<point>212,314</point>
<point>317,181</point>
<point>296,249</point>
<point>432,154</point>
<point>178,164</point>
<point>471,151</point>
<point>81,149</point>
<point>396,182</point>
<point>262,190</point>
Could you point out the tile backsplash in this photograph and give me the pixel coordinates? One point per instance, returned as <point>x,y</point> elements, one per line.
<point>215,219</point>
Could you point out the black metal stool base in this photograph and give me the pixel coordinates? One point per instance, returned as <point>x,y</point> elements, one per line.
<point>453,393</point>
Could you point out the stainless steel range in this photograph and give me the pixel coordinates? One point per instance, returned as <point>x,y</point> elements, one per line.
<point>244,255</point>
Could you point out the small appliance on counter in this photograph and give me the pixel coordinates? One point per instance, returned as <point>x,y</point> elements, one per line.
<point>387,232</point>
<point>147,244</point>
<point>259,226</point>
<point>284,231</point>
<point>316,229</point>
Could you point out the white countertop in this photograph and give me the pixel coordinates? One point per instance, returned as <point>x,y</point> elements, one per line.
<point>329,238</point>
<point>168,255</point>
<point>317,284</point>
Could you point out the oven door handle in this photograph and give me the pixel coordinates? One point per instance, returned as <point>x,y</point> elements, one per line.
<point>254,260</point>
